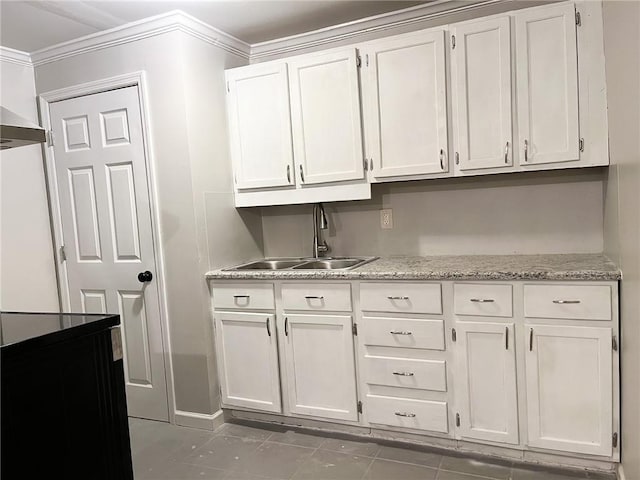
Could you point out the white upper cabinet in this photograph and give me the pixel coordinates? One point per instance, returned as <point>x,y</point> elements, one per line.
<point>404,94</point>
<point>326,120</point>
<point>547,84</point>
<point>260,126</point>
<point>481,91</point>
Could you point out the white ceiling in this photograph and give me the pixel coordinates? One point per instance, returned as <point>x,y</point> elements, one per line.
<point>32,25</point>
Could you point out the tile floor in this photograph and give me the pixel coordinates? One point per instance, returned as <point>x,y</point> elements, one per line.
<point>238,452</point>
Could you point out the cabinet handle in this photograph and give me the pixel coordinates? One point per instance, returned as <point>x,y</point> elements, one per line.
<point>506,153</point>
<point>563,302</point>
<point>405,414</point>
<point>482,300</point>
<point>404,374</point>
<point>301,174</point>
<point>531,339</point>
<point>313,297</point>
<point>268,327</point>
<point>371,164</point>
<point>526,150</point>
<point>398,298</point>
<point>241,296</point>
<point>288,173</point>
<point>286,326</point>
<point>442,159</point>
<point>399,332</point>
<point>457,158</point>
<point>506,338</point>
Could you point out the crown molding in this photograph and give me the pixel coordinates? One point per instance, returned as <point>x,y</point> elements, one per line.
<point>357,28</point>
<point>141,29</point>
<point>15,56</point>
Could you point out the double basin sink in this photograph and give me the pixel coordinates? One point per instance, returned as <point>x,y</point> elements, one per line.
<point>323,263</point>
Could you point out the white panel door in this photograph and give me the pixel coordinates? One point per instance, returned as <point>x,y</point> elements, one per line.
<point>260,126</point>
<point>320,366</point>
<point>406,108</point>
<point>486,382</point>
<point>325,110</point>
<point>569,388</point>
<point>106,220</point>
<point>547,84</point>
<point>248,360</point>
<point>481,90</point>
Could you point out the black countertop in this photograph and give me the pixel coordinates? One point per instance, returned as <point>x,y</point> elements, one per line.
<point>21,331</point>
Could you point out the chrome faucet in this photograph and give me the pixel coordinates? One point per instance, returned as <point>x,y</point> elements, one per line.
<point>320,246</point>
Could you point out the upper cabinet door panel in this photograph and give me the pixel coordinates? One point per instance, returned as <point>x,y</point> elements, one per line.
<point>260,126</point>
<point>547,80</point>
<point>481,87</point>
<point>325,108</point>
<point>405,99</point>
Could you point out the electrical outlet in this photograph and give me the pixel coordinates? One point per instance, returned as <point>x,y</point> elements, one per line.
<point>386,219</point>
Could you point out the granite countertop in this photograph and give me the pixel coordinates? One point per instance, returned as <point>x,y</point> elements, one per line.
<point>452,267</point>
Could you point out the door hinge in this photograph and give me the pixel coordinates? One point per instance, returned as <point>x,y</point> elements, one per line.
<point>578,19</point>
<point>63,254</point>
<point>51,139</point>
<point>581,144</point>
<point>453,42</point>
<point>457,419</point>
<point>359,406</point>
<point>354,329</point>
<point>614,343</point>
<point>614,441</point>
<point>358,61</point>
<point>454,335</point>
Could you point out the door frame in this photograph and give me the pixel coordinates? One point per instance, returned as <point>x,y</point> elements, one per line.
<point>134,79</point>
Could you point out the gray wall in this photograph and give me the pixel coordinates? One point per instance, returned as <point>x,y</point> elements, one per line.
<point>542,212</point>
<point>622,204</point>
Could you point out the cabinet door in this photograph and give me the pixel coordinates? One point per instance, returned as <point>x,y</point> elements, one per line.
<point>488,402</point>
<point>320,366</point>
<point>325,107</point>
<point>248,356</point>
<point>481,88</point>
<point>547,84</point>
<point>569,388</point>
<point>406,108</point>
<point>260,126</point>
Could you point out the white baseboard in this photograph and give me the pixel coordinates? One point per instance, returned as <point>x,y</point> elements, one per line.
<point>621,475</point>
<point>199,420</point>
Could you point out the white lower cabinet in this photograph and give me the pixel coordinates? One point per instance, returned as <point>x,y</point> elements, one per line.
<point>248,355</point>
<point>408,413</point>
<point>486,387</point>
<point>570,388</point>
<point>320,366</point>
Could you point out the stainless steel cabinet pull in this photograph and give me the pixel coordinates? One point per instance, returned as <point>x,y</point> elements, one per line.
<point>241,296</point>
<point>457,158</point>
<point>301,174</point>
<point>371,164</point>
<point>442,159</point>
<point>398,298</point>
<point>531,339</point>
<point>562,302</point>
<point>482,300</point>
<point>404,374</point>
<point>268,327</point>
<point>399,332</point>
<point>286,327</point>
<point>506,338</point>
<point>405,414</point>
<point>313,297</point>
<point>526,151</point>
<point>506,153</point>
<point>288,173</point>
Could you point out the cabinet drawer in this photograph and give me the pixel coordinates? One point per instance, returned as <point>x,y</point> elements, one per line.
<point>406,413</point>
<point>403,332</point>
<point>244,296</point>
<point>407,373</point>
<point>317,297</point>
<point>482,300</point>
<point>575,302</point>
<point>401,297</point>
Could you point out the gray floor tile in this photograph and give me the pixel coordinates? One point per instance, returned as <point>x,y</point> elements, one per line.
<point>474,467</point>
<point>537,473</point>
<point>183,471</point>
<point>427,459</point>
<point>387,470</point>
<point>245,476</point>
<point>224,452</point>
<point>327,465</point>
<point>443,475</point>
<point>364,449</point>
<point>295,438</point>
<point>243,431</point>
<point>275,460</point>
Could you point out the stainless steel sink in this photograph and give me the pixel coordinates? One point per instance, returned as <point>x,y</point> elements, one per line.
<point>331,264</point>
<point>268,265</point>
<point>323,263</point>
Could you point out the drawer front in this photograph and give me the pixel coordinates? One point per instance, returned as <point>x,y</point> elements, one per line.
<point>573,302</point>
<point>317,297</point>
<point>406,373</point>
<point>406,413</point>
<point>401,297</point>
<point>483,300</point>
<point>244,296</point>
<point>403,332</point>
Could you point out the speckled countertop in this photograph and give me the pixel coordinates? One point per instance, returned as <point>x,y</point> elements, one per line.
<point>458,267</point>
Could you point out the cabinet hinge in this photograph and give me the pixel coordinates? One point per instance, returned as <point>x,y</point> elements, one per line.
<point>614,441</point>
<point>51,139</point>
<point>63,254</point>
<point>358,61</point>
<point>366,164</point>
<point>581,144</point>
<point>614,343</point>
<point>578,19</point>
<point>453,42</point>
<point>366,59</point>
<point>457,419</point>
<point>359,406</point>
<point>457,158</point>
<point>454,335</point>
<point>228,89</point>
<point>354,329</point>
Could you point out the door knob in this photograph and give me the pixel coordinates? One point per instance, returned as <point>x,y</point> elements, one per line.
<point>144,277</point>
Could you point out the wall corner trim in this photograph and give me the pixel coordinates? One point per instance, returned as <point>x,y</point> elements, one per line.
<point>18,57</point>
<point>199,420</point>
